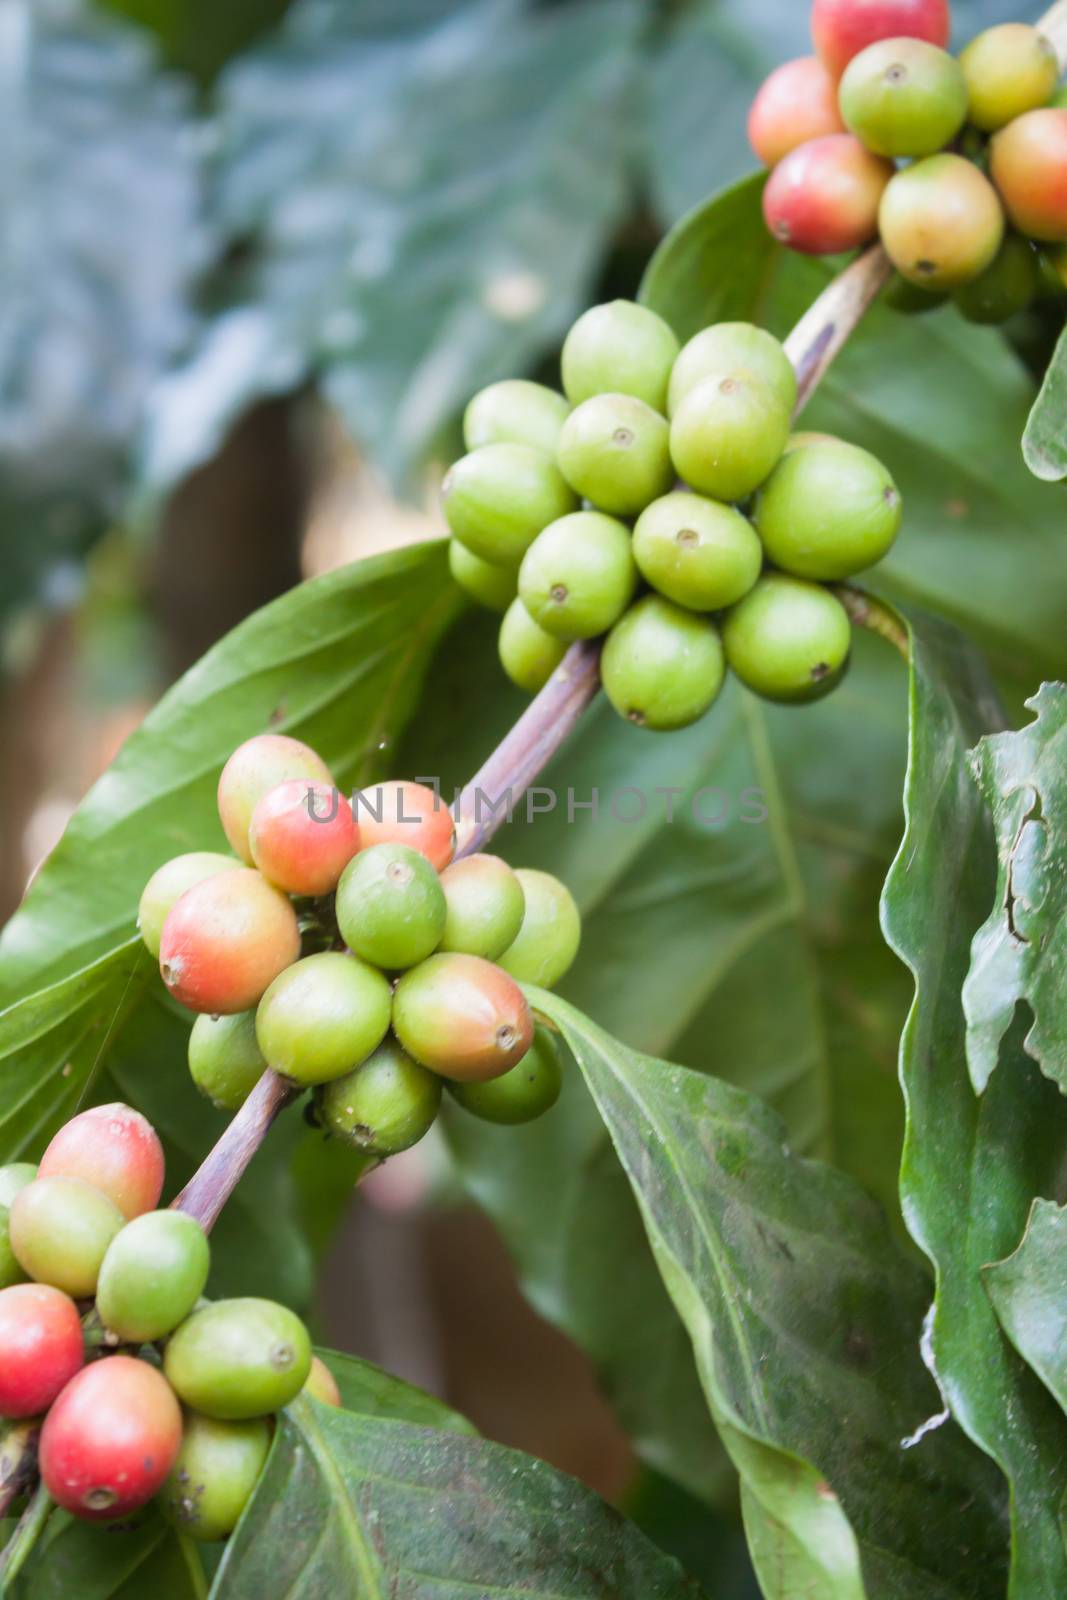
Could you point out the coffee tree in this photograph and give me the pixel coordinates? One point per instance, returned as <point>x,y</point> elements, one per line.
<point>784,1152</point>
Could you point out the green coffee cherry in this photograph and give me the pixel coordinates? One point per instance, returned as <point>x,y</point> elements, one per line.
<point>1006,287</point>
<point>911,298</point>
<point>169,883</point>
<point>1008,70</point>
<point>498,498</point>
<point>730,347</point>
<point>662,666</point>
<point>696,551</point>
<point>619,348</point>
<point>491,586</point>
<point>728,433</point>
<point>225,1060</point>
<point>578,576</point>
<point>614,451</point>
<point>547,942</point>
<point>385,1106</point>
<point>787,640</point>
<point>485,903</point>
<point>322,1015</point>
<point>153,1274</point>
<point>904,97</point>
<point>216,1471</point>
<point>238,1359</point>
<point>10,1271</point>
<point>60,1229</point>
<point>14,1178</point>
<point>515,412</point>
<point>390,906</point>
<point>828,511</point>
<point>529,1090</point>
<point>528,654</point>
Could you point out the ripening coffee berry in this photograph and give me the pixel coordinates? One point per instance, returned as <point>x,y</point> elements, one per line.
<point>619,348</point>
<point>41,1347</point>
<point>823,197</point>
<point>528,654</point>
<point>1006,287</point>
<point>386,1105</point>
<point>302,836</point>
<point>323,1015</point>
<point>1009,70</point>
<point>321,1384</point>
<point>462,1017</point>
<point>214,1474</point>
<point>110,1439</point>
<point>225,1060</point>
<point>729,347</point>
<point>407,813</point>
<point>828,511</point>
<point>696,551</point>
<point>941,222</point>
<point>904,97</point>
<point>662,665</point>
<point>60,1229</point>
<point>256,767</point>
<point>515,411</point>
<point>1028,163</point>
<point>497,500</point>
<point>787,640</point>
<point>238,1358</point>
<point>391,907</point>
<point>153,1274</point>
<point>728,433</point>
<point>226,940</point>
<point>578,576</point>
<point>169,883</point>
<point>545,946</point>
<point>485,905</point>
<point>842,28</point>
<point>491,586</point>
<point>797,102</point>
<point>114,1148</point>
<point>13,1178</point>
<point>613,450</point>
<point>531,1088</point>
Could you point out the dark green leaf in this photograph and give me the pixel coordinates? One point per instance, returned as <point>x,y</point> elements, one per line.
<point>1029,1291</point>
<point>95,1562</point>
<point>368,1390</point>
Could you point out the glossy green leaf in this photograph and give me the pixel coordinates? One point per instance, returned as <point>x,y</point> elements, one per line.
<point>972,1163</point>
<point>96,1562</point>
<point>1045,440</point>
<point>1029,1291</point>
<point>370,1392</point>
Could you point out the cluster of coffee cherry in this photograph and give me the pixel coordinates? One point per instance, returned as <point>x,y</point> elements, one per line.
<point>343,947</point>
<point>151,1391</point>
<point>959,164</point>
<point>681,580</point>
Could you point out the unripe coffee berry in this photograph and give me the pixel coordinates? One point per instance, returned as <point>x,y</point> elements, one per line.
<point>662,666</point>
<point>797,102</point>
<point>578,576</point>
<point>110,1439</point>
<point>386,1105</point>
<point>1005,288</point>
<point>729,347</point>
<point>528,654</point>
<point>498,498</point>
<point>391,907</point>
<point>1008,70</point>
<point>225,1060</point>
<point>302,836</point>
<point>787,640</point>
<point>169,883</point>
<point>1028,163</point>
<point>842,28</point>
<point>619,348</point>
<point>322,1016</point>
<point>904,97</point>
<point>823,198</point>
<point>828,511</point>
<point>238,1359</point>
<point>462,1017</point>
<point>493,587</point>
<point>214,1474</point>
<point>728,434</point>
<point>485,904</point>
<point>529,1090</point>
<point>10,1271</point>
<point>321,1384</point>
<point>911,298</point>
<point>256,767</point>
<point>153,1274</point>
<point>60,1230</point>
<point>696,551</point>
<point>114,1148</point>
<point>407,813</point>
<point>941,222</point>
<point>13,1178</point>
<point>226,940</point>
<point>515,411</point>
<point>41,1347</point>
<point>613,449</point>
<point>547,942</point>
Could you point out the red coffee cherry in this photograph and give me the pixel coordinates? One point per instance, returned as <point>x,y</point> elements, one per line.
<point>399,812</point>
<point>1028,163</point>
<point>225,942</point>
<point>41,1347</point>
<point>115,1149</point>
<point>823,198</point>
<point>842,28</point>
<point>796,103</point>
<point>302,836</point>
<point>255,768</point>
<point>462,1017</point>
